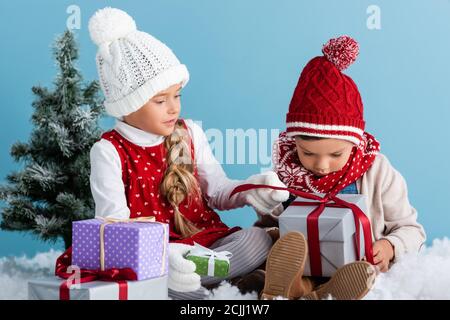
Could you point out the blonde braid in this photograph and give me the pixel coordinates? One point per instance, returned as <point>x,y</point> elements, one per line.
<point>179,181</point>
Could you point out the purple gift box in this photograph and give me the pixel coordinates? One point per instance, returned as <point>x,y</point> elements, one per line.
<point>140,246</point>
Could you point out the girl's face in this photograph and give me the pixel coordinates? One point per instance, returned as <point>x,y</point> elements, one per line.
<point>323,156</point>
<point>159,114</point>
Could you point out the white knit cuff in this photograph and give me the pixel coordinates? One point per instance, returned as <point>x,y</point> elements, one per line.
<point>140,96</point>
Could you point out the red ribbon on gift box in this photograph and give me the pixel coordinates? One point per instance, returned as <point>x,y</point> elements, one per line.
<point>312,222</point>
<point>121,276</point>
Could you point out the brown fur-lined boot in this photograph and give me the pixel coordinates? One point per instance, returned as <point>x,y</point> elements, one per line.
<point>252,282</point>
<point>274,233</point>
<point>284,268</point>
<point>350,282</point>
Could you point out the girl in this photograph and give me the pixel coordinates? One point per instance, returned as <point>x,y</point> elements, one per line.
<point>155,164</point>
<point>325,150</point>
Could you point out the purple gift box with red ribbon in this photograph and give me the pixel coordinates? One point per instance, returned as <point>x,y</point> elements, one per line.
<point>338,230</point>
<point>141,246</point>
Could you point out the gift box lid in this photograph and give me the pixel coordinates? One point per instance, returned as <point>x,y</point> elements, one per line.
<point>127,225</point>
<point>335,224</point>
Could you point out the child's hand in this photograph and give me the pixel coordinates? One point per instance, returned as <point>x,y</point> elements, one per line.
<point>383,253</point>
<point>266,200</point>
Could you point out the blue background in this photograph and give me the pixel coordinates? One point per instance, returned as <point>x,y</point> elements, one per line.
<point>245,58</point>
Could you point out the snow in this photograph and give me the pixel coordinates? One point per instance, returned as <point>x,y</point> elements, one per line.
<point>416,276</point>
<point>16,271</point>
<point>228,292</point>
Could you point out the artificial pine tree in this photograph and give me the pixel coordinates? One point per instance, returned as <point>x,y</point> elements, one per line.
<point>52,189</point>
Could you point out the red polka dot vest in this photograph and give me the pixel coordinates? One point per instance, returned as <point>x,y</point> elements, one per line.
<point>142,173</point>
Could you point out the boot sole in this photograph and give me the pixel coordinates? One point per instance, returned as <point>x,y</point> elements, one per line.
<point>285,265</point>
<point>351,282</point>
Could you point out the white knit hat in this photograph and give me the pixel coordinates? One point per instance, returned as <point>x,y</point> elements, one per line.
<point>133,66</point>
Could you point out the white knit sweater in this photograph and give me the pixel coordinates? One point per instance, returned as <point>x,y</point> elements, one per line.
<point>392,216</point>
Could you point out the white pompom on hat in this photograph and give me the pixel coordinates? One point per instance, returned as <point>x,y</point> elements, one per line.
<point>133,66</point>
<point>109,24</point>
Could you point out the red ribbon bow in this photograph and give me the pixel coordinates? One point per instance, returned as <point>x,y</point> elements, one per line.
<point>121,276</point>
<point>312,222</point>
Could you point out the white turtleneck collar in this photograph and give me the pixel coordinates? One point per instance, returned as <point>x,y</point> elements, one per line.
<point>138,136</point>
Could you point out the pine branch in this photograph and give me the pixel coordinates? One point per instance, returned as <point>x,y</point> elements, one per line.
<point>62,137</point>
<point>20,151</point>
<point>48,228</point>
<point>19,215</point>
<point>48,178</point>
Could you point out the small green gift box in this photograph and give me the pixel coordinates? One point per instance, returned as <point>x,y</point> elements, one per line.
<point>210,262</point>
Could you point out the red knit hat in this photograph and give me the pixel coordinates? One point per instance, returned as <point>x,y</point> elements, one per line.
<point>326,102</point>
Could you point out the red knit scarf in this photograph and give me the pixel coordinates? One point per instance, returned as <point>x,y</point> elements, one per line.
<point>294,175</point>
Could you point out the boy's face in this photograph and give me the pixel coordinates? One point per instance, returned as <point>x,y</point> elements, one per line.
<point>323,156</point>
<point>159,114</point>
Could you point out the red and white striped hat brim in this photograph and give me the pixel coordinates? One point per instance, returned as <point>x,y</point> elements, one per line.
<point>349,133</point>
